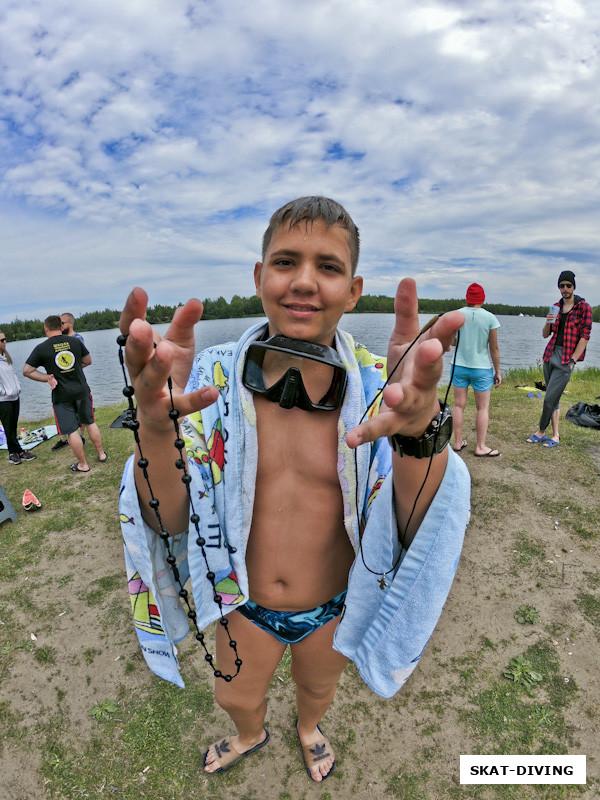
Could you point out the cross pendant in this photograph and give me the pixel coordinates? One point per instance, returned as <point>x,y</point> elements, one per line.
<point>382,582</point>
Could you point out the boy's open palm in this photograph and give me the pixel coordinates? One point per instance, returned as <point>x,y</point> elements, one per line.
<point>151,360</point>
<point>410,399</point>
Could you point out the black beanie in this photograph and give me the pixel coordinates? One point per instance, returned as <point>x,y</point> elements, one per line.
<point>568,276</point>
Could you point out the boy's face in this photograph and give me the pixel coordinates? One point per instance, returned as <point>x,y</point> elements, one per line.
<point>305,282</point>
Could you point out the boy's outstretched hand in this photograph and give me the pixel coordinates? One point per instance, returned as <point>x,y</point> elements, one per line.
<point>149,366</point>
<point>410,399</point>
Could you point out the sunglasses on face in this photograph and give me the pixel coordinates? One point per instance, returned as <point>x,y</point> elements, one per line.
<point>565,285</point>
<point>2,340</point>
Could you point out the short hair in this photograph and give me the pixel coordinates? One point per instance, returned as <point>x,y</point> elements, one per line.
<point>311,209</point>
<point>52,322</point>
<point>70,316</point>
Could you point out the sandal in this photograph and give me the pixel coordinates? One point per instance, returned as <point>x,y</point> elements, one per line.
<point>227,756</point>
<point>533,439</point>
<point>313,753</point>
<point>75,468</point>
<point>462,446</point>
<point>551,443</point>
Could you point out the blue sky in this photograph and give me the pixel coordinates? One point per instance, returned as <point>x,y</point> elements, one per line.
<point>147,142</point>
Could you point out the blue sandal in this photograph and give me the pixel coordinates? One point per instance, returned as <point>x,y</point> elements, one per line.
<point>551,443</point>
<point>533,439</point>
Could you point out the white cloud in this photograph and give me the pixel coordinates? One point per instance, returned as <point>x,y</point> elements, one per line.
<point>149,142</point>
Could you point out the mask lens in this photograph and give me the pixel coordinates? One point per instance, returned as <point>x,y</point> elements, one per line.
<point>316,377</point>
<point>273,370</point>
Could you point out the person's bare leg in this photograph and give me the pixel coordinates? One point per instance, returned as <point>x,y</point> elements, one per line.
<point>244,697</point>
<point>555,419</point>
<point>482,404</point>
<point>77,447</point>
<point>96,440</point>
<point>316,669</point>
<point>458,410</point>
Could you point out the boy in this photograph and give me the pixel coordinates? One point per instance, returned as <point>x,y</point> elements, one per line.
<point>280,500</point>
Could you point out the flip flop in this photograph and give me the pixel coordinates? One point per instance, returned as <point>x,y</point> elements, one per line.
<point>103,460</point>
<point>313,753</point>
<point>463,444</point>
<point>227,756</point>
<point>75,468</point>
<point>551,443</point>
<point>533,439</point>
<point>491,454</point>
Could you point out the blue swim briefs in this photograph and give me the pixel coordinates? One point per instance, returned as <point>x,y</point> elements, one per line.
<point>481,380</point>
<point>290,627</point>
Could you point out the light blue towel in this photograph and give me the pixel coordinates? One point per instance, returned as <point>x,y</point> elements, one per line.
<point>384,632</point>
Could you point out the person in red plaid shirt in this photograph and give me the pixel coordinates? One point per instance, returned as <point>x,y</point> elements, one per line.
<point>570,324</point>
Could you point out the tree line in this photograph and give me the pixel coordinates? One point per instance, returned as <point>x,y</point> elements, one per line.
<point>252,307</point>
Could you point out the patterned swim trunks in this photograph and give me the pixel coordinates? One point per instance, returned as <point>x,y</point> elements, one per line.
<point>290,627</point>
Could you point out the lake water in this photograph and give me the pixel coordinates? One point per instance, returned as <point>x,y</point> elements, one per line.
<point>520,339</point>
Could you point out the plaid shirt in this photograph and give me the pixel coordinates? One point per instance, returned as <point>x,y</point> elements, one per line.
<point>578,325</point>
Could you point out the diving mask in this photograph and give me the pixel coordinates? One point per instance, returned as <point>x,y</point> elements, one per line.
<point>293,372</point>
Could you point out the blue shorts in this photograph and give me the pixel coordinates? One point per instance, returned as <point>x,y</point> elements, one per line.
<point>290,627</point>
<point>481,380</point>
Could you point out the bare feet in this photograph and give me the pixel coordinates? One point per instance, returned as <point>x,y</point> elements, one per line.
<point>228,751</point>
<point>318,755</point>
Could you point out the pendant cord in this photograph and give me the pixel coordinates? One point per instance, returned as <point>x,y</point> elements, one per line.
<point>132,423</point>
<point>402,535</point>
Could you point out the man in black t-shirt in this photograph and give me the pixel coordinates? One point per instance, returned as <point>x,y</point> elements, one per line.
<point>63,358</point>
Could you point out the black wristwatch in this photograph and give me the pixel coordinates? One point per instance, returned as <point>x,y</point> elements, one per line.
<point>433,441</point>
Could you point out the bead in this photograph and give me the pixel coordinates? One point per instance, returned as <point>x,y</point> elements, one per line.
<point>238,662</point>
<point>233,644</point>
<point>164,535</point>
<point>143,463</point>
<point>208,658</point>
<point>210,576</point>
<point>223,622</point>
<point>183,593</point>
<point>153,502</point>
<point>218,673</point>
<point>194,519</point>
<point>171,560</point>
<point>129,391</point>
<point>174,414</point>
<point>227,678</point>
<point>122,339</point>
<point>200,541</point>
<point>218,599</point>
<point>192,614</point>
<point>179,444</point>
<point>200,637</point>
<point>180,463</point>
<point>187,479</point>
<point>134,425</point>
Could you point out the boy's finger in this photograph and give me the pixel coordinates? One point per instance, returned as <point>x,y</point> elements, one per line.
<point>181,328</point>
<point>195,401</point>
<point>406,309</point>
<point>135,308</point>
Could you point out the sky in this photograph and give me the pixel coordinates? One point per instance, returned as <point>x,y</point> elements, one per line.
<point>147,142</point>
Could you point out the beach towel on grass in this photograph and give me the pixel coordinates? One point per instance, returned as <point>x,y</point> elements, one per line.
<point>383,632</point>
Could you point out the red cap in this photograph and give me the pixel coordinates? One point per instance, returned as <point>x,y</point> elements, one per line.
<point>475,294</point>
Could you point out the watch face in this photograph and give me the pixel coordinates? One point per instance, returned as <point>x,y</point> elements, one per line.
<point>433,441</point>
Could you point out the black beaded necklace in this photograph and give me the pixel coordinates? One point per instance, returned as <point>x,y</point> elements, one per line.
<point>132,423</point>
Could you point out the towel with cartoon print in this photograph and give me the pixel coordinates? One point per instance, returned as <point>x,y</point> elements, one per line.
<point>221,443</point>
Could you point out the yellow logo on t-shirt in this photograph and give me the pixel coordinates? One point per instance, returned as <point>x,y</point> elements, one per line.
<point>64,360</point>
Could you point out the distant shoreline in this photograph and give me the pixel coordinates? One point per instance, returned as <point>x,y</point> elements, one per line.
<point>247,307</point>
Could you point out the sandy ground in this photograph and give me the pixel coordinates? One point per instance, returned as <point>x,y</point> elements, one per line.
<point>421,730</point>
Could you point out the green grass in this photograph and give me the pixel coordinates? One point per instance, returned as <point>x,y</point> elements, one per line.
<point>143,738</point>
